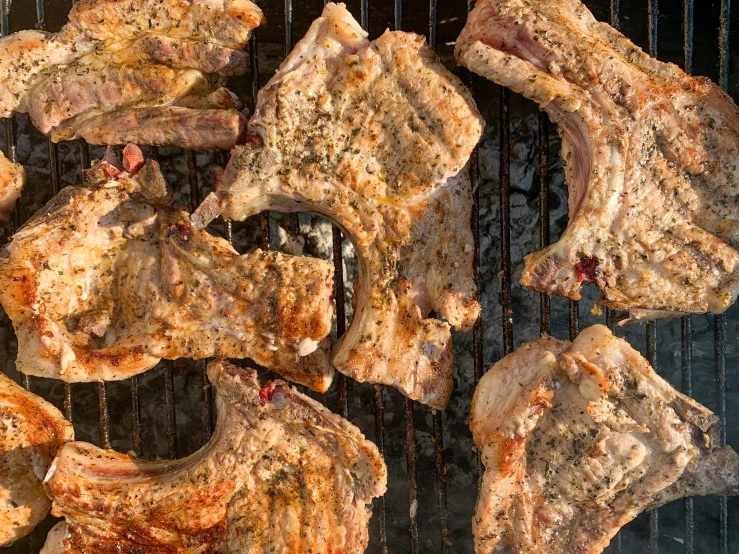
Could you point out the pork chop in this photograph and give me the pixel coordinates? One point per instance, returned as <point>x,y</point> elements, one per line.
<point>12,179</point>
<point>376,136</point>
<point>649,152</point>
<point>282,474</point>
<point>117,55</point>
<point>31,432</point>
<point>579,438</point>
<point>107,279</point>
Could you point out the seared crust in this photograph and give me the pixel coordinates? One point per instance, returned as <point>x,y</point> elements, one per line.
<point>117,55</point>
<point>579,438</point>
<point>12,179</point>
<point>376,136</point>
<point>649,152</point>
<point>103,282</point>
<point>31,432</point>
<point>281,474</point>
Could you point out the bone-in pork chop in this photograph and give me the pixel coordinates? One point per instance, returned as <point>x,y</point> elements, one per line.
<point>166,61</point>
<point>31,432</point>
<point>107,279</point>
<point>579,438</point>
<point>650,159</point>
<point>375,136</point>
<point>12,179</point>
<point>281,474</point>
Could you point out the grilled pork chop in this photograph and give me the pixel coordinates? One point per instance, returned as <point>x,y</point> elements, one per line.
<point>282,474</point>
<point>165,61</point>
<point>31,432</point>
<point>650,159</point>
<point>579,438</point>
<point>106,280</point>
<point>375,136</point>
<point>12,179</point>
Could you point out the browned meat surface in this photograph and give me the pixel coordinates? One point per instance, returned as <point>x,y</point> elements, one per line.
<point>650,159</point>
<point>118,55</point>
<point>12,179</point>
<point>579,438</point>
<point>31,432</point>
<point>376,136</point>
<point>281,474</point>
<point>107,279</point>
<point>194,129</point>
<point>54,543</point>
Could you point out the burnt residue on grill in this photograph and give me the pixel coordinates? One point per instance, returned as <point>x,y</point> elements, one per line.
<point>520,206</point>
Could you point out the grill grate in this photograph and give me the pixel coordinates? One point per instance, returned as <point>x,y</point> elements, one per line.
<point>388,517</point>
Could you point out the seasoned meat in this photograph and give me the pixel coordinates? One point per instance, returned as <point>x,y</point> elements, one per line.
<point>194,129</point>
<point>107,279</point>
<point>375,136</point>
<point>119,55</point>
<point>12,179</point>
<point>31,432</point>
<point>281,474</point>
<point>579,438</point>
<point>54,543</point>
<point>650,159</point>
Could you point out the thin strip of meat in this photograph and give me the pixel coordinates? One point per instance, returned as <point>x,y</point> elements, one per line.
<point>107,279</point>
<point>116,55</point>
<point>31,432</point>
<point>193,129</point>
<point>376,136</point>
<point>578,439</point>
<point>12,179</point>
<point>650,159</point>
<point>281,474</point>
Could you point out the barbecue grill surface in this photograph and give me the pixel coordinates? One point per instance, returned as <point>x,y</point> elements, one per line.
<point>168,411</point>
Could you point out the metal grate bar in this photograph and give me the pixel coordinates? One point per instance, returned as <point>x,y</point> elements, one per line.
<point>192,175</point>
<point>615,21</point>
<point>254,65</point>
<point>136,416</point>
<point>545,322</point>
<point>687,388</point>
<point>652,27</point>
<point>438,420</point>
<point>724,55</point>
<point>686,322</point>
<point>12,151</point>
<point>574,318</point>
<point>340,313</point>
<point>720,320</point>
<point>505,218</point>
<point>411,447</point>
<point>380,442</point>
<point>652,359</point>
<point>293,219</point>
<point>477,330</point>
<point>411,444</point>
<point>615,14</point>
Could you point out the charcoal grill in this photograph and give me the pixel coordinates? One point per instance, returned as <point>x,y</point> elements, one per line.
<point>433,469</point>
